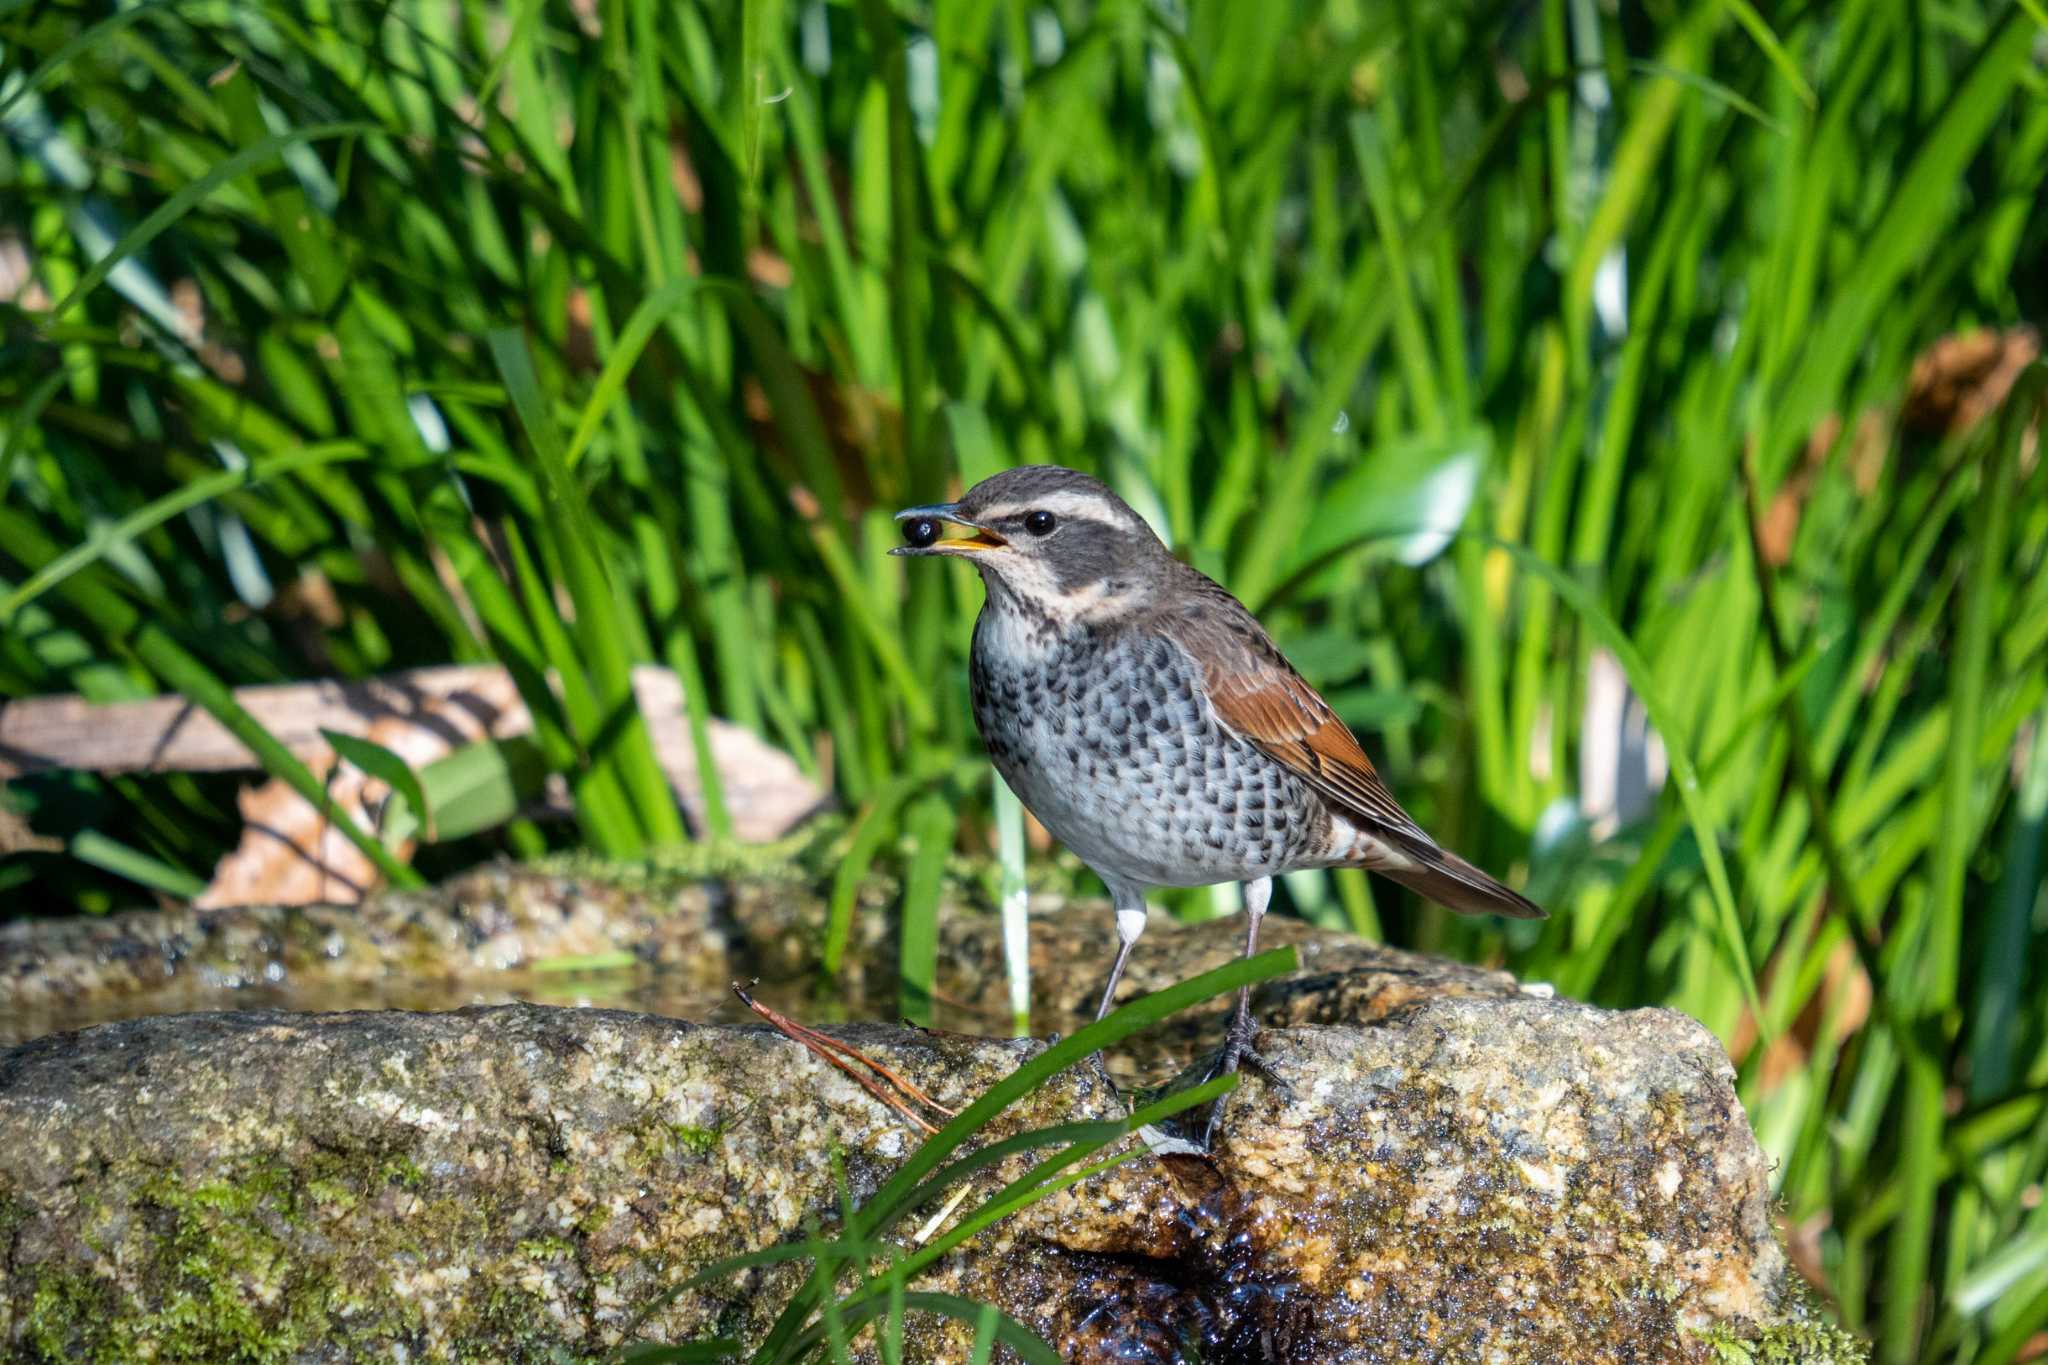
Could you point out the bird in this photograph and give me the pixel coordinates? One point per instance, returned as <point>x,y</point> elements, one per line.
<point>1149,722</point>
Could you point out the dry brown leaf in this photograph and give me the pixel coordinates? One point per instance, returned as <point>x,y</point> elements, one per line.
<point>1955,383</point>
<point>1868,445</point>
<point>765,267</point>
<point>682,176</point>
<point>1962,378</point>
<point>1841,1005</point>
<point>292,853</point>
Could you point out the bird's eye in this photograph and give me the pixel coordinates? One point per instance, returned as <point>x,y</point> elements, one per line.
<point>1039,523</point>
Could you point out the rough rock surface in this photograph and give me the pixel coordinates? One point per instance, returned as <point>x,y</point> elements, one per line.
<point>489,936</point>
<point>1478,1176</point>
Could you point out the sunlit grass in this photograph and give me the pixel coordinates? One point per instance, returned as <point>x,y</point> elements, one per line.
<point>464,313</point>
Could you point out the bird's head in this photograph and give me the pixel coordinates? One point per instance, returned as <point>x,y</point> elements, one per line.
<point>1052,537</point>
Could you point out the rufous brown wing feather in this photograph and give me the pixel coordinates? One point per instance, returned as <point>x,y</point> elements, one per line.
<point>1257,693</point>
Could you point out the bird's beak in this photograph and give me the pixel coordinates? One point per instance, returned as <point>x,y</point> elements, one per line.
<point>979,540</point>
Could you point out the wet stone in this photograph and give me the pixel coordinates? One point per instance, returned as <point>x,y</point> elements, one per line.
<point>676,942</point>
<point>1446,1168</point>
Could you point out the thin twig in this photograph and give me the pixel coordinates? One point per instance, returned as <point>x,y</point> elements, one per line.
<point>938,1220</point>
<point>838,1053</point>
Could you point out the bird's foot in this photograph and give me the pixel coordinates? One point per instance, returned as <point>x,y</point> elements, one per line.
<point>1239,1054</point>
<point>1101,1065</point>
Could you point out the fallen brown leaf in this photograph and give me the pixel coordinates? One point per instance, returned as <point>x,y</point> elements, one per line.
<point>292,853</point>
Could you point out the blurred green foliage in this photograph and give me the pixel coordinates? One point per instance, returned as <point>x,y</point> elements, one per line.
<point>1489,351</point>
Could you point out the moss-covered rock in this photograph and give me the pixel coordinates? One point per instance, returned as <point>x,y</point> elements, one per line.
<point>1483,1175</point>
<point>677,934</point>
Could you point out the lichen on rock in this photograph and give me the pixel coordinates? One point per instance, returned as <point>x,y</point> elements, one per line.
<point>1463,1173</point>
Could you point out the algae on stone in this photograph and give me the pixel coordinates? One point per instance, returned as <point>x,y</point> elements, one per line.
<point>1479,1175</point>
<point>487,936</point>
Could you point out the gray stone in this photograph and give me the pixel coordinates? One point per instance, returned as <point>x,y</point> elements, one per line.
<point>1471,1174</point>
<point>491,935</point>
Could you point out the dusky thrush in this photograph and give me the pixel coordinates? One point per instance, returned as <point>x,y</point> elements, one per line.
<point>1152,726</point>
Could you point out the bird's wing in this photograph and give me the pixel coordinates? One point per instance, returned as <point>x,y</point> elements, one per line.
<point>1258,695</point>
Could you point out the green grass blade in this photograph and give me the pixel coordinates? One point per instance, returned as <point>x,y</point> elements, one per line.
<point>1915,212</point>
<point>1911,1259</point>
<point>895,1198</point>
<point>1983,592</point>
<point>622,742</point>
<point>132,527</point>
<point>191,196</point>
<point>379,762</point>
<point>2002,981</point>
<point>632,340</point>
<point>481,786</point>
<point>1752,22</point>
<point>1683,773</point>
<point>22,421</point>
<point>110,855</point>
<point>930,823</point>
<point>984,1336</point>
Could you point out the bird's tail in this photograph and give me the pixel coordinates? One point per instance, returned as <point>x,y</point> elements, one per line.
<point>1450,881</point>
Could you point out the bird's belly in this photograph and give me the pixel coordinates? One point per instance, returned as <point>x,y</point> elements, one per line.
<point>1130,770</point>
<point>1120,828</point>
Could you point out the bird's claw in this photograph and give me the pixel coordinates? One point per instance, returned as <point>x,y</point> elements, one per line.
<point>1239,1054</point>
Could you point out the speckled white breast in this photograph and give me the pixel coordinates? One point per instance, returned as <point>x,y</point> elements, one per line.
<point>1106,738</point>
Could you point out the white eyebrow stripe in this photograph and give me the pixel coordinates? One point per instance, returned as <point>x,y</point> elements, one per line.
<point>1064,504</point>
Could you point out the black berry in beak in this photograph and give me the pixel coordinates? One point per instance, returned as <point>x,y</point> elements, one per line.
<point>924,532</point>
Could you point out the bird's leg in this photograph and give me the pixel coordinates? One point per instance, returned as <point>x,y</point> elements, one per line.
<point>1237,1040</point>
<point>1130,922</point>
<point>1237,1043</point>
